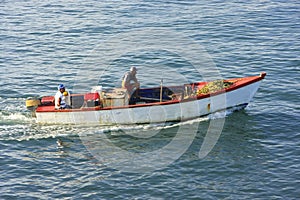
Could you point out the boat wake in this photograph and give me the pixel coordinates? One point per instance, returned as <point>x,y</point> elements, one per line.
<point>20,126</point>
<point>15,117</point>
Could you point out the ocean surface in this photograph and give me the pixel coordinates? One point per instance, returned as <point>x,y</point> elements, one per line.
<point>86,43</point>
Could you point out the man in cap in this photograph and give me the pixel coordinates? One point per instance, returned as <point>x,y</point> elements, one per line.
<point>61,98</point>
<point>130,81</point>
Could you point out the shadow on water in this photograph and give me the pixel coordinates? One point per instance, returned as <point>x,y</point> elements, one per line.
<point>238,143</point>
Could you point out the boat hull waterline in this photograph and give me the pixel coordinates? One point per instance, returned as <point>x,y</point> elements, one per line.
<point>239,94</point>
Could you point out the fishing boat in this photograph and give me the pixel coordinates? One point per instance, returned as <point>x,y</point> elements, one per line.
<point>148,105</point>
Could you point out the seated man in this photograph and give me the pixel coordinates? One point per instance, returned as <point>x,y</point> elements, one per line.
<point>130,81</point>
<point>62,98</point>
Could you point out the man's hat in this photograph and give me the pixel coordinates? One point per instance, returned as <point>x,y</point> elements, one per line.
<point>61,86</point>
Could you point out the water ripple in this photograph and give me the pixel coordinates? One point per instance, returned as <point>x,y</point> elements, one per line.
<point>46,43</point>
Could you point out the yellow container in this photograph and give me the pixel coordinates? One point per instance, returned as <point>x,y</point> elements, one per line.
<point>32,102</point>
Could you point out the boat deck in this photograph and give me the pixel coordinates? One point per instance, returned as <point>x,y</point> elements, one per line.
<point>149,96</point>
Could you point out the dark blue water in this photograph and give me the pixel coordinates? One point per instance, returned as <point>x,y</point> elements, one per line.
<point>94,42</point>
